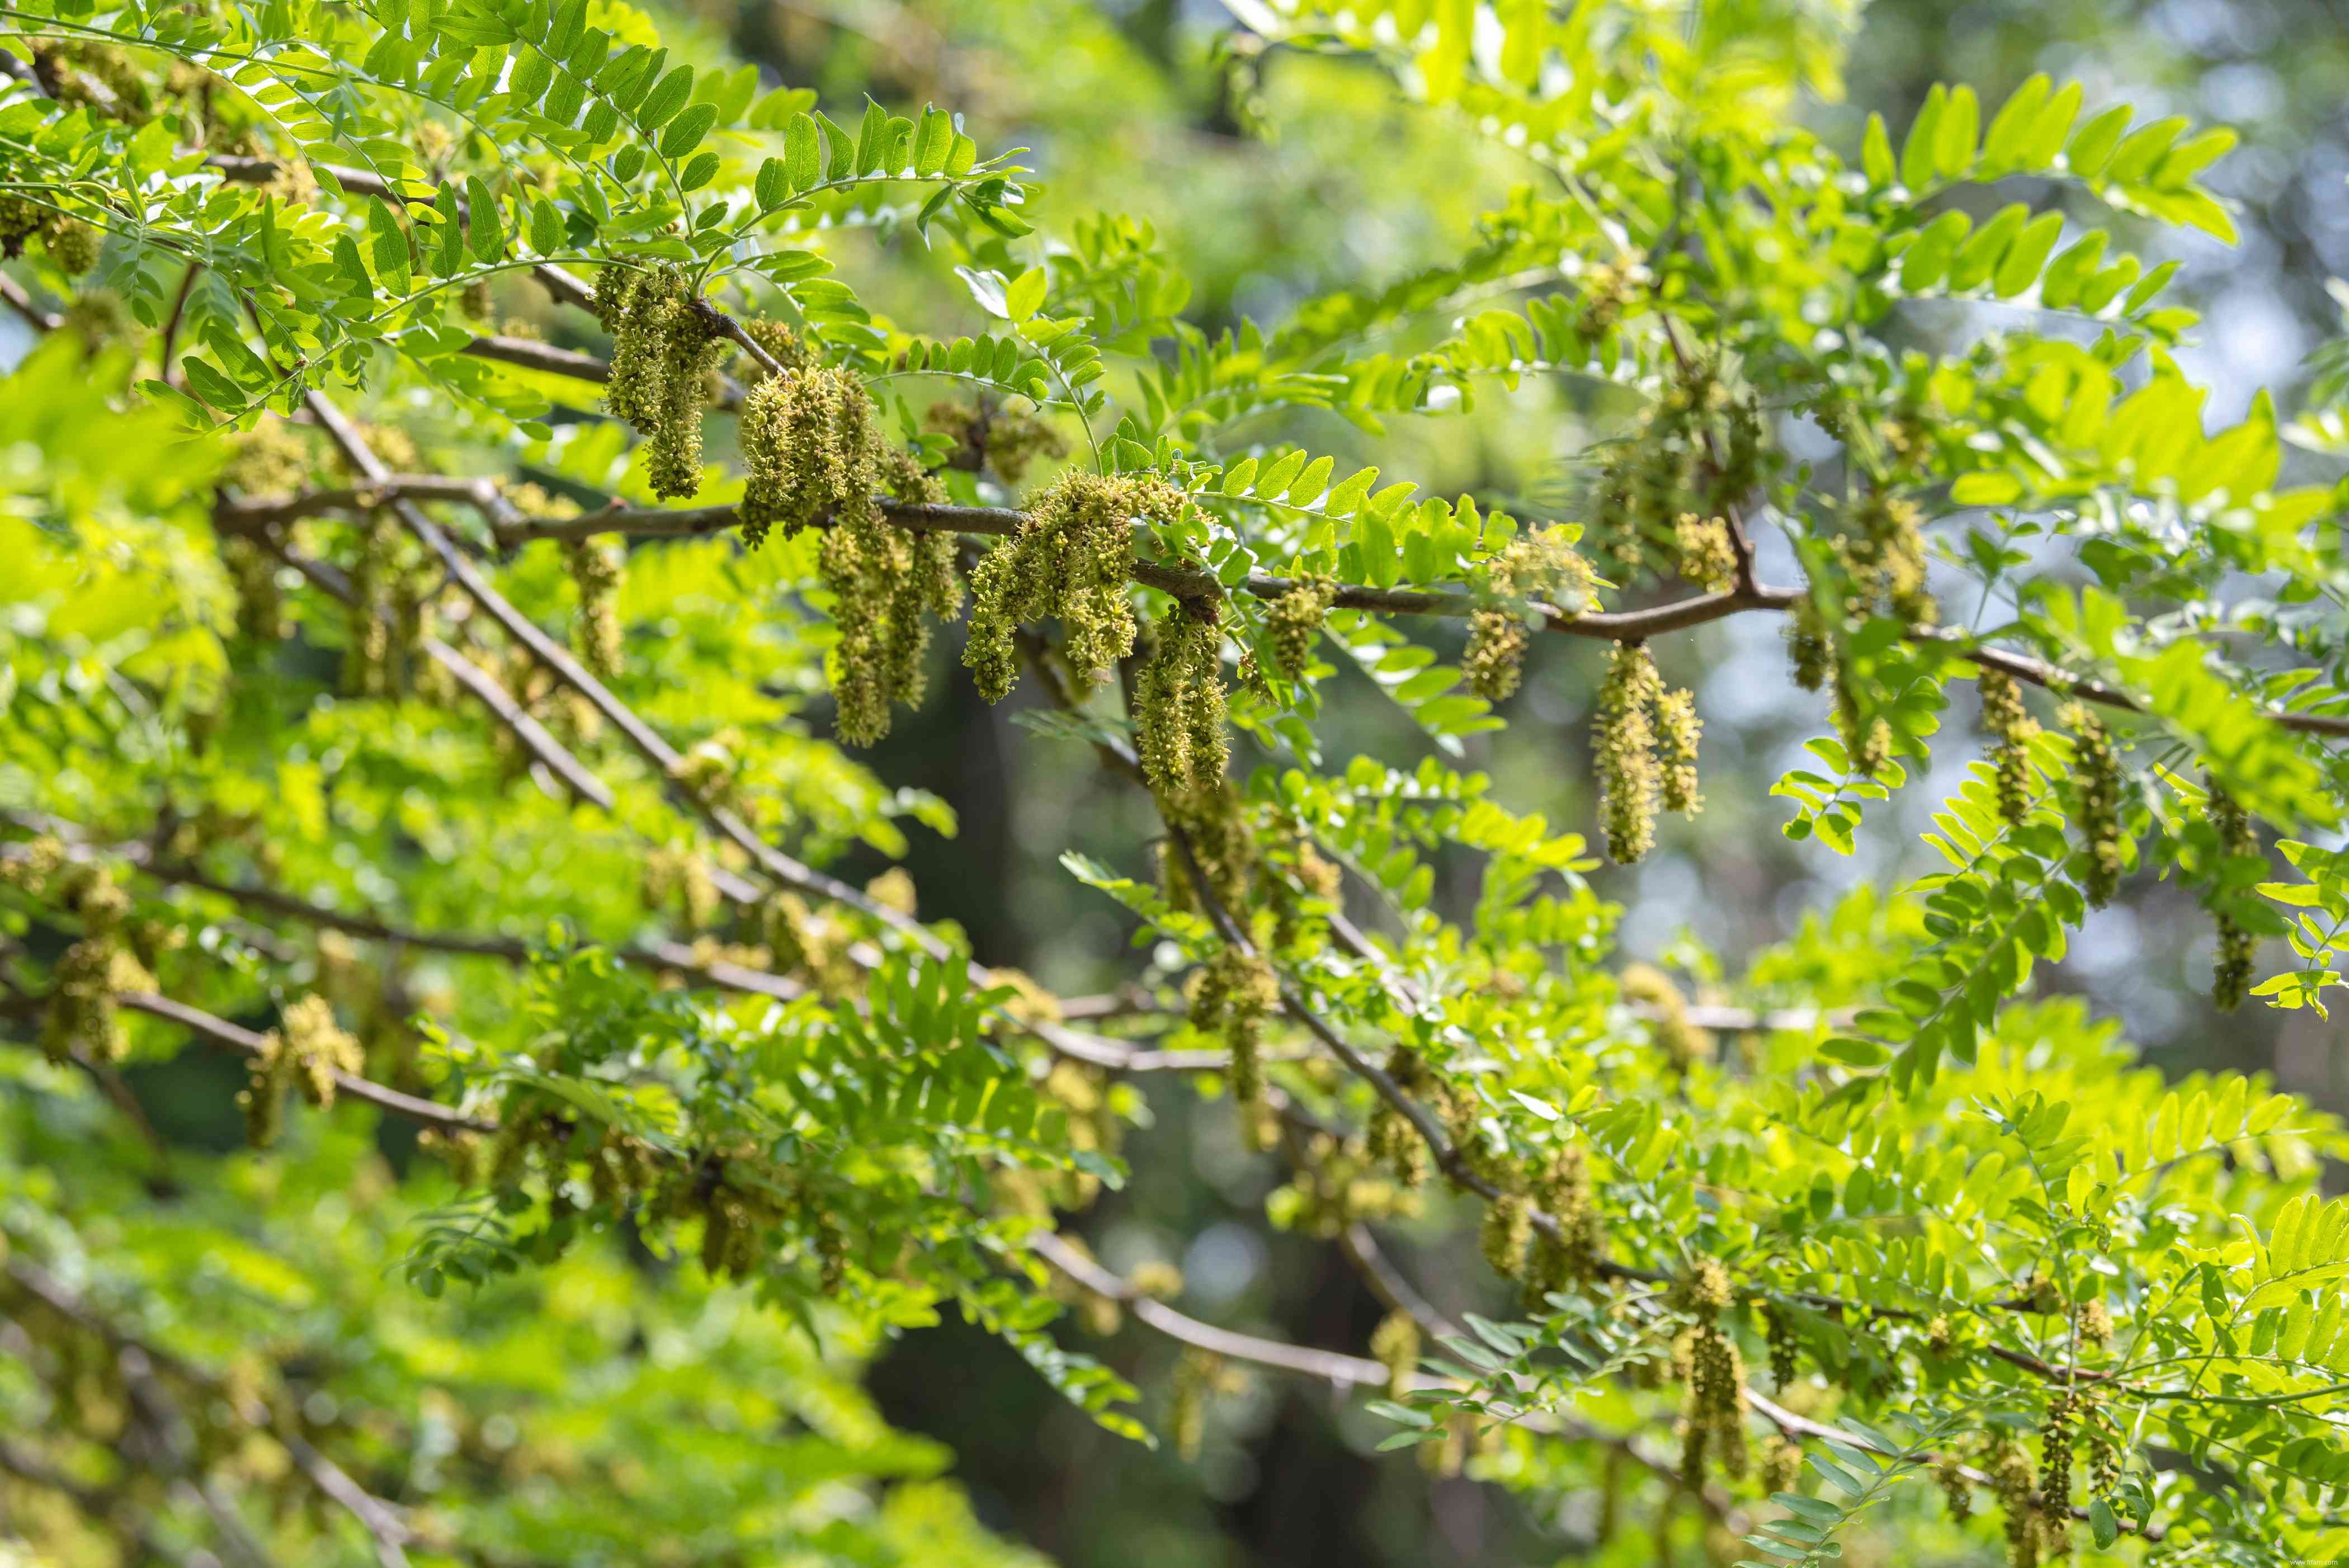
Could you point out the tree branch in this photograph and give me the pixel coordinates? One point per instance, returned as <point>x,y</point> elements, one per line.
<point>675,956</point>
<point>249,513</point>
<point>1340,1371</point>
<point>221,1032</point>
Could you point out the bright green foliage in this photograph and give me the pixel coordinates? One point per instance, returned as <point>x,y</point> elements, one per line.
<point>296,765</point>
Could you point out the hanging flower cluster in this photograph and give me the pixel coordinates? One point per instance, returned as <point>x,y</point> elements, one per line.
<point>1294,621</point>
<point>1778,1332</point>
<point>1567,1256</point>
<point>884,582</point>
<point>1235,992</point>
<point>72,244</point>
<point>1395,1345</point>
<point>2096,779</point>
<point>781,344</point>
<point>1714,1424</point>
<point>1541,567</point>
<point>2231,978</point>
<point>1506,1230</point>
<point>1881,550</point>
<point>595,634</point>
<point>1644,743</point>
<point>812,450</point>
<point>305,1052</point>
<point>260,602</point>
<point>389,616</point>
<point>2012,729</point>
<point>1704,551</point>
<point>82,1019</point>
<point>1178,719</point>
<point>1392,1140</point>
<point>1070,559</point>
<point>815,454</point>
<point>1650,988</point>
<point>663,353</point>
<point>1678,729</point>
<point>2014,1482</point>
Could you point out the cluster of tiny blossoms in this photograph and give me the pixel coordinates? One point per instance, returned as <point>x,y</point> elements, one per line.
<point>1072,558</point>
<point>1645,748</point>
<point>1538,567</point>
<point>815,454</point>
<point>663,355</point>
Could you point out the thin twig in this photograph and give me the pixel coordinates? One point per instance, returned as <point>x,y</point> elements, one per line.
<point>221,1032</point>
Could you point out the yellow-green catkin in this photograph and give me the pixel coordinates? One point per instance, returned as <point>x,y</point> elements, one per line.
<point>785,346</point>
<point>1677,729</point>
<point>2097,776</point>
<point>1014,442</point>
<point>19,220</point>
<point>367,669</point>
<point>815,452</point>
<point>1782,1466</point>
<point>1070,559</point>
<point>2013,730</point>
<point>100,317</point>
<point>1215,822</point>
<point>1494,659</point>
<point>82,1019</point>
<point>1395,1345</point>
<point>73,244</point>
<point>1539,570</point>
<point>679,875</point>
<point>1713,1422</point>
<point>2094,1322</point>
<point>812,449</point>
<point>305,1052</point>
<point>1294,621</point>
<point>2231,974</point>
<point>886,581</point>
<point>1707,556</point>
<point>663,351</point>
<point>2014,1482</point>
<point>273,459</point>
<point>995,438</point>
<point>1808,647</point>
<point>1867,743</point>
<point>1785,1350</point>
<point>1957,1491</point>
<point>1504,1234</point>
<point>1390,1139</point>
<point>1178,718</point>
<point>1625,744</point>
<point>1696,455</point>
<point>2055,1432</point>
<point>318,1048</point>
<point>262,1099</point>
<point>1882,548</point>
<point>1236,991</point>
<point>596,634</point>
<point>1567,1254</point>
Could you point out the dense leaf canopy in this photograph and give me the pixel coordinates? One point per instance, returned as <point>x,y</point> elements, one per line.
<point>486,474</point>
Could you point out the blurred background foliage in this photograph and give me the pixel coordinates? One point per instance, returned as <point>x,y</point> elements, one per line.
<point>1271,176</point>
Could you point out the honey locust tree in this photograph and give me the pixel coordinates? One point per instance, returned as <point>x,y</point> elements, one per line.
<point>412,713</point>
